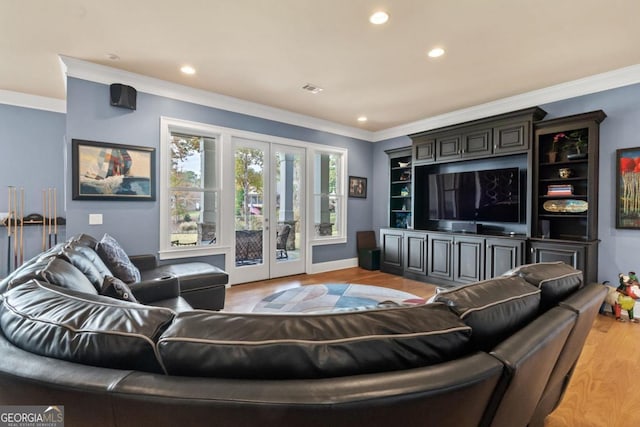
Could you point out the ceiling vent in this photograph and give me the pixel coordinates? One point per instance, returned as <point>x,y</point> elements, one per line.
<point>312,88</point>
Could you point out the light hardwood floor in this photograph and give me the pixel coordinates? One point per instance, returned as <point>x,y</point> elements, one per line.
<point>601,393</point>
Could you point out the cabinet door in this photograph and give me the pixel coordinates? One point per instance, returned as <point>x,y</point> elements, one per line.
<point>439,255</point>
<point>574,255</point>
<point>468,259</point>
<point>582,256</point>
<point>391,248</point>
<point>448,147</point>
<point>502,255</point>
<point>415,259</point>
<point>476,143</point>
<point>424,151</point>
<point>512,137</point>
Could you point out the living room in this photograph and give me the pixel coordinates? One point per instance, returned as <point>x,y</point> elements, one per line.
<point>37,133</point>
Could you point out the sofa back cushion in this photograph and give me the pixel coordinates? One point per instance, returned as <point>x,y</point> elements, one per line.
<point>210,344</point>
<point>493,308</point>
<point>55,271</point>
<point>76,255</point>
<point>81,328</point>
<point>84,240</point>
<point>49,253</point>
<point>556,280</point>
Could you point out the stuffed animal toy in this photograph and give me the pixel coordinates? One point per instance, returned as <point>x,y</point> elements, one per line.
<point>624,296</point>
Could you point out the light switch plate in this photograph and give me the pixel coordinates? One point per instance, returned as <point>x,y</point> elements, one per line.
<point>95,219</point>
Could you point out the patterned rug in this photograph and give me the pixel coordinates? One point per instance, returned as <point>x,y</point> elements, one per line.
<point>334,298</point>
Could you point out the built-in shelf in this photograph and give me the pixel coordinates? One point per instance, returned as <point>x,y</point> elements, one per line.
<point>400,188</point>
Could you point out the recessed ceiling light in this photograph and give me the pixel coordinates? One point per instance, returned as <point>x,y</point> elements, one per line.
<point>362,119</point>
<point>312,88</point>
<point>436,52</point>
<point>188,69</point>
<point>379,18</point>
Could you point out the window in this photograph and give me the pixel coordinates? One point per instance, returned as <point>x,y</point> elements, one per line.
<point>329,207</point>
<point>197,209</point>
<point>190,191</point>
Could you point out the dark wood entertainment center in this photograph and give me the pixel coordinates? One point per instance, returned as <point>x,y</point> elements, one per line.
<point>557,201</point>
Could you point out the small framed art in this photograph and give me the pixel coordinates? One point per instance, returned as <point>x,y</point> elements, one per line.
<point>358,187</point>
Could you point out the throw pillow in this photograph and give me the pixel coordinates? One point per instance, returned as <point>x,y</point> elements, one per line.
<point>117,260</point>
<point>116,288</point>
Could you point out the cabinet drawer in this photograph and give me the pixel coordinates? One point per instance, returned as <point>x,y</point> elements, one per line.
<point>512,137</point>
<point>449,147</point>
<point>425,151</point>
<point>477,143</point>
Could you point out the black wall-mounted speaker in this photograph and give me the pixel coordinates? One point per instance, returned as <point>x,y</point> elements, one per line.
<point>123,96</point>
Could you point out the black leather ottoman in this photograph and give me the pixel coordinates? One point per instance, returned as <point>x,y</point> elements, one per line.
<point>201,284</point>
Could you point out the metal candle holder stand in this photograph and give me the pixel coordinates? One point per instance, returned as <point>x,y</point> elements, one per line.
<point>15,222</point>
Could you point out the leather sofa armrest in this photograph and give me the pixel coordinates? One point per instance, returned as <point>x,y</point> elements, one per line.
<point>161,288</point>
<point>144,262</point>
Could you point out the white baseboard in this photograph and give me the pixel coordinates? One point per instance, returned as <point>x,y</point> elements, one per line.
<point>322,267</point>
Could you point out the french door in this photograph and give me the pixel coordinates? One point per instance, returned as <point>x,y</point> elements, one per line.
<point>269,212</point>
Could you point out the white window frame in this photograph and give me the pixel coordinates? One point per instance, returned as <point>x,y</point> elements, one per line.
<point>167,127</point>
<point>341,178</point>
<point>225,180</point>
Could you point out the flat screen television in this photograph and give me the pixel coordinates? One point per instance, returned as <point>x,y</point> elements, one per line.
<point>485,195</point>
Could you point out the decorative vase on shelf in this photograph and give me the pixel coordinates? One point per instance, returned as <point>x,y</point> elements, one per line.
<point>552,155</point>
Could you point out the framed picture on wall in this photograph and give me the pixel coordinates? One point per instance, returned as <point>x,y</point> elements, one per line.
<point>628,188</point>
<point>105,171</point>
<point>358,187</point>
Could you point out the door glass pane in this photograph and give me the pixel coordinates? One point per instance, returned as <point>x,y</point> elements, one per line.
<point>249,207</point>
<point>288,181</point>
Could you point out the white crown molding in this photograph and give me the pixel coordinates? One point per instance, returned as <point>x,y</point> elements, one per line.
<point>597,83</point>
<point>102,74</point>
<point>33,101</point>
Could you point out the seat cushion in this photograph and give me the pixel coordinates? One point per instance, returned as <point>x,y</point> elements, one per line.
<point>89,329</point>
<point>201,343</point>
<point>556,280</point>
<point>493,308</point>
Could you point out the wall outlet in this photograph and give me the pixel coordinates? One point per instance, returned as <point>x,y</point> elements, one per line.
<point>95,219</point>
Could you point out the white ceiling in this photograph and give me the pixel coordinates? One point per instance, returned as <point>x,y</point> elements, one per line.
<point>265,51</point>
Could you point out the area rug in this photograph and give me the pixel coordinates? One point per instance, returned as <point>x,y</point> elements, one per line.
<point>334,298</point>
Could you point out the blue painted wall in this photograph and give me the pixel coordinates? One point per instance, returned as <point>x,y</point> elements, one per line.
<point>36,152</point>
<point>135,224</point>
<point>32,158</point>
<point>621,129</point>
<point>618,250</point>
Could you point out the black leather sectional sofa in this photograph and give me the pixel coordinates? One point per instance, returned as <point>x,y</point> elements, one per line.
<point>76,262</point>
<point>493,353</point>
